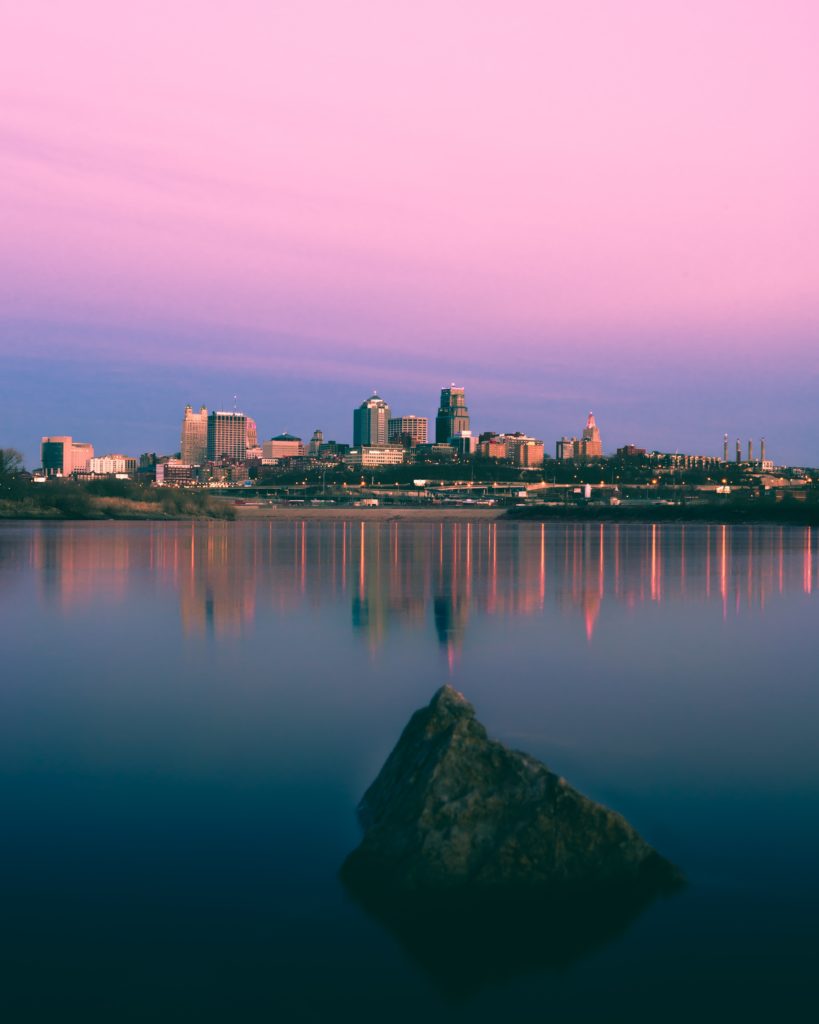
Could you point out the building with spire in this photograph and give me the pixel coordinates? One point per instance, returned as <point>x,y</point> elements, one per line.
<point>193,445</point>
<point>371,423</point>
<point>587,446</point>
<point>453,415</point>
<point>591,445</point>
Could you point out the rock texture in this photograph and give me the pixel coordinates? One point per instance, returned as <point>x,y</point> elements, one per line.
<point>452,809</point>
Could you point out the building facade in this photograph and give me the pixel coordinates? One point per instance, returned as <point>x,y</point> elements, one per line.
<point>591,445</point>
<point>370,423</point>
<point>62,455</point>
<point>193,445</point>
<point>453,415</point>
<point>376,455</point>
<point>227,436</point>
<point>408,430</point>
<point>111,465</point>
<point>283,446</point>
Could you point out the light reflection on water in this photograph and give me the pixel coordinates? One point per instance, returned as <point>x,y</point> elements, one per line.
<point>397,571</point>
<point>189,713</point>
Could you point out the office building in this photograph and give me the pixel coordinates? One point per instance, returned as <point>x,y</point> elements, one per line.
<point>453,415</point>
<point>193,446</point>
<point>591,445</point>
<point>61,455</point>
<point>370,423</point>
<point>227,436</point>
<point>283,446</point>
<point>316,441</point>
<point>408,430</point>
<point>112,465</point>
<point>376,455</point>
<point>587,446</point>
<point>251,434</point>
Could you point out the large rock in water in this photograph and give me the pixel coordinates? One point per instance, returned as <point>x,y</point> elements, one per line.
<point>453,809</point>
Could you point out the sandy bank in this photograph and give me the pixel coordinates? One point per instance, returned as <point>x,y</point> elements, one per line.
<point>381,514</point>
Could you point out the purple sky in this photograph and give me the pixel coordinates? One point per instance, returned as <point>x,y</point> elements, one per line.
<point>561,205</point>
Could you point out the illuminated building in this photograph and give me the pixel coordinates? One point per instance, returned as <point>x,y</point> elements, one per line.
<point>453,415</point>
<point>376,455</point>
<point>408,430</point>
<point>283,446</point>
<point>61,455</point>
<point>227,436</point>
<point>193,446</point>
<point>370,423</point>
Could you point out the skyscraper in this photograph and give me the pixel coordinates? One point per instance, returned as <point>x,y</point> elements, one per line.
<point>193,446</point>
<point>251,433</point>
<point>453,415</point>
<point>592,446</point>
<point>227,436</point>
<point>370,422</point>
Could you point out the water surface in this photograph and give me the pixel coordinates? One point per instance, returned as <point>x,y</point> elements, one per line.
<point>190,713</point>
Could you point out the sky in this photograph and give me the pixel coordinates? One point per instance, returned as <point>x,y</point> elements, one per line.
<point>563,205</point>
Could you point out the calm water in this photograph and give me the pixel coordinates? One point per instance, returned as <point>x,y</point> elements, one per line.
<point>189,715</point>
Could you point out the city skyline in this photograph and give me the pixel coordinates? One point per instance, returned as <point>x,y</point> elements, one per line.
<point>214,436</point>
<point>599,207</point>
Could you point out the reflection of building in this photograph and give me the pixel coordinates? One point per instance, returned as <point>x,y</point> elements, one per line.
<point>193,447</point>
<point>62,455</point>
<point>453,415</point>
<point>407,430</point>
<point>227,436</point>
<point>370,423</point>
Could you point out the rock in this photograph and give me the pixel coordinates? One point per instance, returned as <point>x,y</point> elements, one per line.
<point>453,810</point>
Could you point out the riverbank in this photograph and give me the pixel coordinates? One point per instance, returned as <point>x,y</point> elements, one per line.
<point>384,513</point>
<point>793,513</point>
<point>99,509</point>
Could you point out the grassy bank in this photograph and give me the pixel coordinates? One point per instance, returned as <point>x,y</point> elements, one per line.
<point>110,499</point>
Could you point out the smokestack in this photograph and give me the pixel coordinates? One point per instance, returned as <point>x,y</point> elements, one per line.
<point>762,449</point>
<point>739,451</point>
<point>724,447</point>
<point>750,450</point>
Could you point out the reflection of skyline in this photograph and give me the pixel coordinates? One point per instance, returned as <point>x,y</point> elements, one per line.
<point>426,576</point>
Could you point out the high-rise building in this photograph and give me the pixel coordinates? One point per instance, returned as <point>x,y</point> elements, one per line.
<point>227,436</point>
<point>453,415</point>
<point>592,446</point>
<point>251,433</point>
<point>408,430</point>
<point>316,441</point>
<point>61,455</point>
<point>370,422</point>
<point>193,447</point>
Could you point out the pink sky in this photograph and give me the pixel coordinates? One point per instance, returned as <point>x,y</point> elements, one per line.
<point>543,177</point>
<point>356,167</point>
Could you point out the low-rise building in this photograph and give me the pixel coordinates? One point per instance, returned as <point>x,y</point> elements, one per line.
<point>61,455</point>
<point>375,455</point>
<point>112,465</point>
<point>283,446</point>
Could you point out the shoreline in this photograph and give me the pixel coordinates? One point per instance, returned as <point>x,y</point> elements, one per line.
<point>662,515</point>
